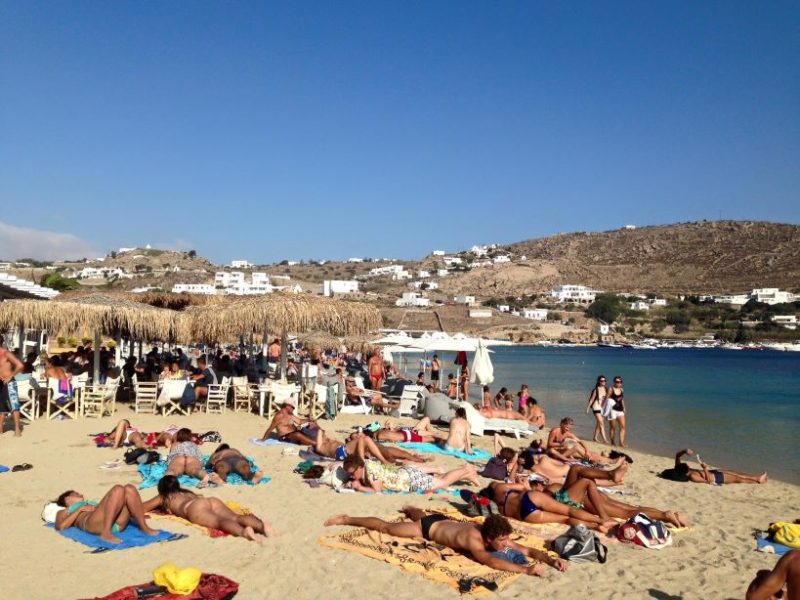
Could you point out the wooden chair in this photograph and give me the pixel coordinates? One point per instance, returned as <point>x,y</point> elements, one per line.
<point>217,398</point>
<point>58,403</point>
<point>146,396</point>
<point>242,394</point>
<point>169,398</point>
<point>28,398</point>
<point>317,403</point>
<point>99,400</point>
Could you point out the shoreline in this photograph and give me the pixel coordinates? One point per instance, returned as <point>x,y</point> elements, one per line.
<point>64,457</point>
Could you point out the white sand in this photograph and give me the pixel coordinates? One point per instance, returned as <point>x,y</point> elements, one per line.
<point>714,560</point>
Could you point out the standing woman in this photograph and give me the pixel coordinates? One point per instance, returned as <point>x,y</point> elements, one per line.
<point>616,412</point>
<point>523,396</point>
<point>597,400</point>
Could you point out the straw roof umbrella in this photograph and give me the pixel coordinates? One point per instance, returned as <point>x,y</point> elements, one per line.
<point>321,339</point>
<point>96,312</point>
<point>176,301</point>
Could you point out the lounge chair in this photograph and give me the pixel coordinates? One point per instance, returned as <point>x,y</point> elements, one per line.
<point>481,425</point>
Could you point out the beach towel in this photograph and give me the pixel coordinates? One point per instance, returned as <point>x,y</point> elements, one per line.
<point>428,448</point>
<point>152,474</point>
<point>210,532</point>
<point>270,442</point>
<point>131,537</point>
<point>4,468</point>
<point>764,544</point>
<point>211,587</point>
<point>309,454</point>
<point>433,561</point>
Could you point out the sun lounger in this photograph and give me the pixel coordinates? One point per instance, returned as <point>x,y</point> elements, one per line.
<point>480,425</point>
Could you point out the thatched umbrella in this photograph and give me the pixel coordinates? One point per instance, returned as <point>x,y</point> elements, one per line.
<point>96,312</point>
<point>321,339</point>
<point>179,301</point>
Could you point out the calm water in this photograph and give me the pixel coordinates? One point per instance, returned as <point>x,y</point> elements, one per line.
<point>739,410</point>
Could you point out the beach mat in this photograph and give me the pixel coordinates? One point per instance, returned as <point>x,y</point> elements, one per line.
<point>131,536</point>
<point>434,562</point>
<point>764,544</point>
<point>428,448</point>
<point>270,442</point>
<point>152,474</point>
<point>4,468</point>
<point>211,587</point>
<point>309,454</point>
<point>210,532</point>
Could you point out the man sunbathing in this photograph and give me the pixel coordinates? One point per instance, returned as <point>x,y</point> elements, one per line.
<point>371,476</point>
<point>770,584</point>
<point>556,471</point>
<point>361,445</point>
<point>105,518</point>
<point>291,428</point>
<point>566,446</point>
<point>485,543</point>
<point>682,472</point>
<point>206,512</point>
<point>226,460</point>
<point>419,433</point>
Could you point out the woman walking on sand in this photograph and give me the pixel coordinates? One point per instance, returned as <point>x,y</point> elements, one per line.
<point>597,399</point>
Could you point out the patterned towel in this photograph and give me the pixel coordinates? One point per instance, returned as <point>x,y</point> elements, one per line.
<point>210,532</point>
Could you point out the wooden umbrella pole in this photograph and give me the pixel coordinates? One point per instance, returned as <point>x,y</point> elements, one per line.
<point>97,341</point>
<point>284,352</point>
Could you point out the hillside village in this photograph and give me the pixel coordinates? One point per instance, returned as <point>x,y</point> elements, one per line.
<point>672,284</point>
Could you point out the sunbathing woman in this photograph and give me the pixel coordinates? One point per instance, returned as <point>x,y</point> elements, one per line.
<point>556,471</point>
<point>371,476</point>
<point>580,492</point>
<point>682,472</point>
<point>359,444</point>
<point>206,512</point>
<point>226,460</point>
<point>125,433</point>
<point>184,458</point>
<point>419,433</point>
<point>104,518</point>
<point>519,501</point>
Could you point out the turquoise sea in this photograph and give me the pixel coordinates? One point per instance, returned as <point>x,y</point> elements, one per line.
<point>739,409</point>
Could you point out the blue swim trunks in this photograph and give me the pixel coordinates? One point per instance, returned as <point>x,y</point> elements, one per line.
<point>9,398</point>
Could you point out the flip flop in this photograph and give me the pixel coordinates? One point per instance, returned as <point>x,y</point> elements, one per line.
<point>111,467</point>
<point>22,467</point>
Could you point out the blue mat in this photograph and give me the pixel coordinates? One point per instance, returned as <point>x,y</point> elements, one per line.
<point>4,468</point>
<point>131,537</point>
<point>427,448</point>
<point>152,474</point>
<point>765,545</point>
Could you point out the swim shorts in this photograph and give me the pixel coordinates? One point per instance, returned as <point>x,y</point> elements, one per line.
<point>9,399</point>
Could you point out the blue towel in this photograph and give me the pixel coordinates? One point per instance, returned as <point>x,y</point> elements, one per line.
<point>131,537</point>
<point>4,468</point>
<point>152,474</point>
<point>766,545</point>
<point>434,449</point>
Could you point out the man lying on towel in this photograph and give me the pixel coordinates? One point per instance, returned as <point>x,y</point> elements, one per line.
<point>291,428</point>
<point>488,544</point>
<point>105,518</point>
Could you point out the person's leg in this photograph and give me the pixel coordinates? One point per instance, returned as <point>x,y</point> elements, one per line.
<point>734,477</point>
<point>2,422</point>
<point>298,437</point>
<point>549,504</point>
<point>119,433</point>
<point>193,468</point>
<point>601,426</point>
<point>367,447</point>
<point>223,470</point>
<point>134,510</point>
<point>612,428</point>
<point>17,427</point>
<point>584,491</point>
<point>244,469</point>
<point>261,526</point>
<point>466,472</point>
<point>177,466</point>
<point>103,517</point>
<point>212,513</point>
<point>395,454</point>
<point>405,529</point>
<point>577,472</point>
<point>621,420</point>
<point>138,440</point>
<point>422,425</point>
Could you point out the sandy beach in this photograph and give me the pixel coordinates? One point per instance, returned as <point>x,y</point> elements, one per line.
<point>715,559</point>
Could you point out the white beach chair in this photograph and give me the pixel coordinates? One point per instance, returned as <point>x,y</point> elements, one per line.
<point>242,394</point>
<point>480,425</point>
<point>28,398</point>
<point>409,401</point>
<point>58,403</point>
<point>146,396</point>
<point>217,398</point>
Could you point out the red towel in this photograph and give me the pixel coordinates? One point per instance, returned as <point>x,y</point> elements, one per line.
<point>212,587</point>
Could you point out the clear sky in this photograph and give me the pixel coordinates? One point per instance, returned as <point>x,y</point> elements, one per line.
<point>302,130</point>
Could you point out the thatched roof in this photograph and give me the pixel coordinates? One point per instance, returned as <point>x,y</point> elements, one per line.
<point>177,301</point>
<point>320,339</point>
<point>107,314</point>
<point>278,312</point>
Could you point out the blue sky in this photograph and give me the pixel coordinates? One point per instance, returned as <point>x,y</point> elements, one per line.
<point>327,130</point>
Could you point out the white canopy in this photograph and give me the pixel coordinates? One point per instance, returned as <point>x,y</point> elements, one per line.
<point>482,368</point>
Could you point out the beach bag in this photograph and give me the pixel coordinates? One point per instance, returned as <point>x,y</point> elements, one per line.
<point>496,468</point>
<point>140,456</point>
<point>579,544</point>
<point>643,531</point>
<point>479,506</point>
<point>211,437</point>
<point>784,533</point>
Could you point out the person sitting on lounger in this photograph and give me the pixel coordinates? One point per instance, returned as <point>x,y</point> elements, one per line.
<point>291,428</point>
<point>418,433</point>
<point>533,505</point>
<point>205,511</point>
<point>458,437</point>
<point>371,476</point>
<point>184,458</point>
<point>226,460</point>
<point>353,395</point>
<point>485,543</point>
<point>105,518</point>
<point>682,472</point>
<point>769,585</point>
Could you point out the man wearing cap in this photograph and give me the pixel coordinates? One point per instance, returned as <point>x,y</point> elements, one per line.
<point>291,428</point>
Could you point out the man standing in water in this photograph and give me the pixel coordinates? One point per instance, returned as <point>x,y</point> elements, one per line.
<point>10,365</point>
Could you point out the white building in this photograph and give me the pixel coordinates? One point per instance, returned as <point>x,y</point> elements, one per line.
<point>442,272</point>
<point>194,288</point>
<point>603,328</point>
<point>387,270</point>
<point>423,274</point>
<point>5,266</point>
<point>281,277</point>
<point>145,289</point>
<point>240,264</point>
<point>639,305</point>
<point>103,272</point>
<point>480,313</point>
<point>503,308</point>
<point>468,300</point>
<point>233,283</point>
<point>573,293</point>
<point>226,279</point>
<point>429,285</point>
<point>333,286</point>
<point>535,314</point>
<point>733,299</point>
<point>788,321</point>
<point>438,252</point>
<point>412,299</point>
<point>452,260</point>
<point>475,264</point>
<point>629,227</point>
<point>658,302</point>
<point>772,296</point>
<point>503,258</point>
<point>355,260</point>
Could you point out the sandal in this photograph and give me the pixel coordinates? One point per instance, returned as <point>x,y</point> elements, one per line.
<point>22,467</point>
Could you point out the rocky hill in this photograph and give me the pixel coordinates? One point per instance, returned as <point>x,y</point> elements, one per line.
<point>702,257</point>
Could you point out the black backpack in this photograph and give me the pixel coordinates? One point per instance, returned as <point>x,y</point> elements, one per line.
<point>141,456</point>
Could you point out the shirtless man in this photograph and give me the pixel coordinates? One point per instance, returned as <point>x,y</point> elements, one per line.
<point>769,584</point>
<point>556,471</point>
<point>564,445</point>
<point>364,447</point>
<point>354,394</point>
<point>482,543</point>
<point>458,438</point>
<point>375,368</point>
<point>10,365</point>
<point>419,433</point>
<point>494,413</point>
<point>436,367</point>
<point>711,476</point>
<point>291,428</point>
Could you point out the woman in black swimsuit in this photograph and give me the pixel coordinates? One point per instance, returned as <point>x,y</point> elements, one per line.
<point>596,401</point>
<point>617,412</point>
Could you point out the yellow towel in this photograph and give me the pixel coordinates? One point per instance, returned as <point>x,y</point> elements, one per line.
<point>234,506</point>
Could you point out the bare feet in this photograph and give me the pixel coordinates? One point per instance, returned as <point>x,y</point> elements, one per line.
<point>250,534</point>
<point>336,520</point>
<point>110,538</point>
<point>148,530</point>
<point>606,526</point>
<point>268,530</point>
<point>618,474</point>
<point>763,478</point>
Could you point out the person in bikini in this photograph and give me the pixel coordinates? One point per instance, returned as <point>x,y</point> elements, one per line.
<point>360,444</point>
<point>682,472</point>
<point>530,503</point>
<point>126,434</point>
<point>436,369</point>
<point>105,518</point>
<point>458,436</point>
<point>184,458</point>
<point>205,511</point>
<point>485,543</point>
<point>226,460</point>
<point>452,386</point>
<point>500,398</point>
<point>419,433</point>
<point>291,428</point>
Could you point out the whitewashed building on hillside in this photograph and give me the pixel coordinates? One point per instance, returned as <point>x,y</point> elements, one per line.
<point>194,288</point>
<point>412,299</point>
<point>334,286</point>
<point>573,293</point>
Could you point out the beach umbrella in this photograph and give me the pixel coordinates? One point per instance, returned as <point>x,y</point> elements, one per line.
<point>320,339</point>
<point>482,368</point>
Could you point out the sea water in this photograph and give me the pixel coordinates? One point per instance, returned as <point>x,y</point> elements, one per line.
<point>739,410</point>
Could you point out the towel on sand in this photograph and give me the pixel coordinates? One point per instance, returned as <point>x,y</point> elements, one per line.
<point>211,587</point>
<point>4,468</point>
<point>234,506</point>
<point>131,537</point>
<point>764,544</point>
<point>428,448</point>
<point>432,561</point>
<point>270,442</point>
<point>152,473</point>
